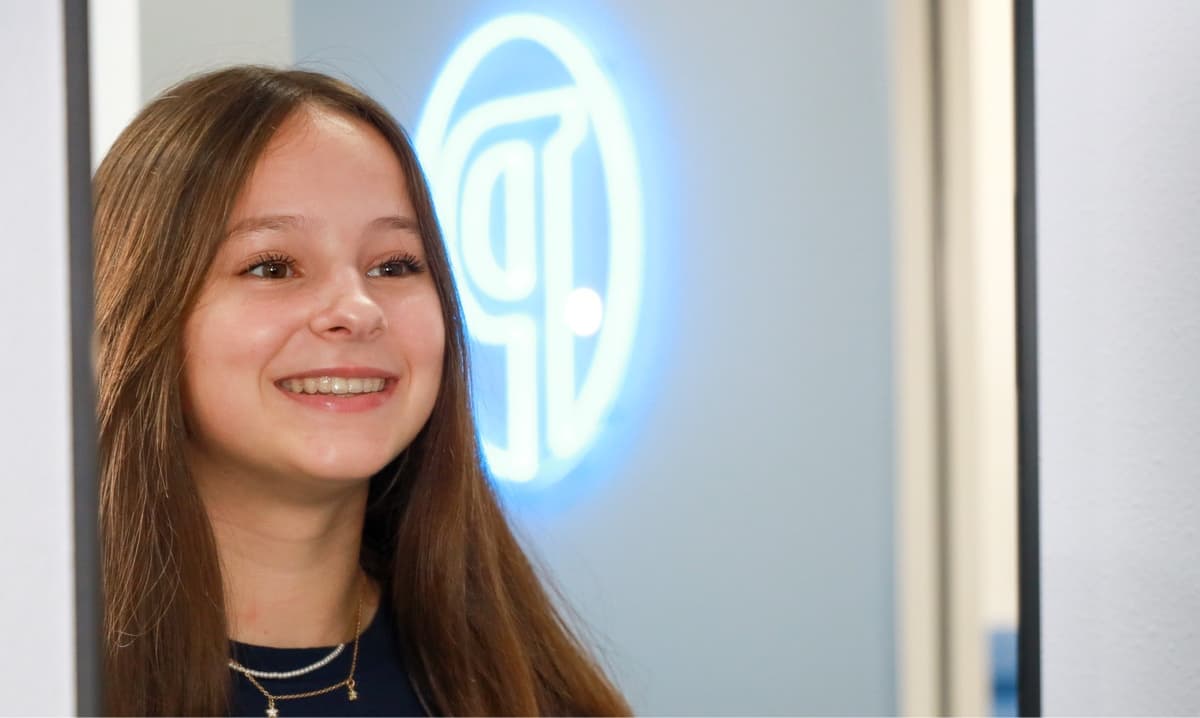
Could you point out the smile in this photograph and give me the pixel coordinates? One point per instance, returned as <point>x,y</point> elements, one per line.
<point>334,385</point>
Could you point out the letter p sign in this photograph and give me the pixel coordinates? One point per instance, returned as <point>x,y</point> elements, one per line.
<point>533,172</point>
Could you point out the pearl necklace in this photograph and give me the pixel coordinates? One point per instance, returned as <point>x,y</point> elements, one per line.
<point>288,674</point>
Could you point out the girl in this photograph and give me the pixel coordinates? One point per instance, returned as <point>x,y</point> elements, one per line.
<point>294,512</point>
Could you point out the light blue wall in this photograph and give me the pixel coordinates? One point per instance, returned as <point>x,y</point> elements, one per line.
<point>732,542</point>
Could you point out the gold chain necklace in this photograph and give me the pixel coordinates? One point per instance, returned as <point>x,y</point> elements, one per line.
<point>348,681</point>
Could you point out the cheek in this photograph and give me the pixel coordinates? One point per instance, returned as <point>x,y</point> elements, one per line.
<point>227,346</point>
<point>420,330</point>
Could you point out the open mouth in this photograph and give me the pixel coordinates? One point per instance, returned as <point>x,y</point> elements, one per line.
<point>335,385</point>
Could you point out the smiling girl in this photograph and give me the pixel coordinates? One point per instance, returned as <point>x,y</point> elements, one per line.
<point>294,512</point>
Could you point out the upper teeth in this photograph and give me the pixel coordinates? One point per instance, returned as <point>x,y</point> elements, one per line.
<point>333,385</point>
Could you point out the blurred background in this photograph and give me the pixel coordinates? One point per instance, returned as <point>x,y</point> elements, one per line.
<point>766,256</point>
<point>787,480</point>
<point>798,493</point>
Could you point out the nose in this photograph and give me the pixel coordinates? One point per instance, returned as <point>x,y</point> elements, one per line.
<point>347,310</point>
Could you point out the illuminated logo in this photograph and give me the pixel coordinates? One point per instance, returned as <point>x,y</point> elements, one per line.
<point>533,172</point>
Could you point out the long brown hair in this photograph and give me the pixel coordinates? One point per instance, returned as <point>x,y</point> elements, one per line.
<point>481,632</point>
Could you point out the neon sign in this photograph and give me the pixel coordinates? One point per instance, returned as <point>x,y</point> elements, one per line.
<point>534,175</point>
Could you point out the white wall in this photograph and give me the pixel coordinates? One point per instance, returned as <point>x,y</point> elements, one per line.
<point>183,37</point>
<point>1118,162</point>
<point>114,68</point>
<point>37,676</point>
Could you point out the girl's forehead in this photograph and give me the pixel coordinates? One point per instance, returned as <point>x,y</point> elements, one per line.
<point>315,136</point>
<point>324,163</point>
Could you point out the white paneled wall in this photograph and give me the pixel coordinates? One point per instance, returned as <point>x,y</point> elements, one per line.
<point>37,676</point>
<point>1117,112</point>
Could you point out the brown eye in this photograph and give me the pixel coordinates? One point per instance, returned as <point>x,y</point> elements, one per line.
<point>401,266</point>
<point>271,269</point>
<point>389,269</point>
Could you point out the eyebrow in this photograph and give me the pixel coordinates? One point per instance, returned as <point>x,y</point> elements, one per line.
<point>290,221</point>
<point>397,221</point>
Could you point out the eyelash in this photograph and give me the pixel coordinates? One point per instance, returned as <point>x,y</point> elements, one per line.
<point>269,258</point>
<point>410,263</point>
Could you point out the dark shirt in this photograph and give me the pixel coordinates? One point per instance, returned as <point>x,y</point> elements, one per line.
<point>381,680</point>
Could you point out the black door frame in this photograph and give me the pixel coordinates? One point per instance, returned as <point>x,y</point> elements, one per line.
<point>1029,628</point>
<point>88,606</point>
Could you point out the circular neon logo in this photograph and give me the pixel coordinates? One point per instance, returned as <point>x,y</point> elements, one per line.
<point>532,166</point>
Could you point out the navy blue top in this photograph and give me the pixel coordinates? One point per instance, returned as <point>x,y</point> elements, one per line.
<point>382,683</point>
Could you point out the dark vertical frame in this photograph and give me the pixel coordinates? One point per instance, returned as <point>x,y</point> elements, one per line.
<point>1029,635</point>
<point>941,357</point>
<point>83,392</point>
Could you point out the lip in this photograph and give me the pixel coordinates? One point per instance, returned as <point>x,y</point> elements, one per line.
<point>350,372</point>
<point>342,403</point>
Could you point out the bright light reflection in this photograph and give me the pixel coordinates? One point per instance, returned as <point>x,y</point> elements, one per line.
<point>584,311</point>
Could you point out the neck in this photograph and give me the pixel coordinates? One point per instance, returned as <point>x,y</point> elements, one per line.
<point>289,557</point>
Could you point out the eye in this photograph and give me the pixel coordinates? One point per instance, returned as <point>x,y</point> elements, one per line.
<point>400,265</point>
<point>271,267</point>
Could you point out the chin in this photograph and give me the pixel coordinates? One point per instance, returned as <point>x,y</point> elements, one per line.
<point>343,462</point>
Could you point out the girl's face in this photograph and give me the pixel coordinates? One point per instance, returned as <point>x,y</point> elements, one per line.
<point>315,349</point>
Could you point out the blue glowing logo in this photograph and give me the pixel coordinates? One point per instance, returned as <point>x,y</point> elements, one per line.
<point>532,167</point>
